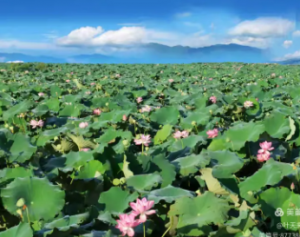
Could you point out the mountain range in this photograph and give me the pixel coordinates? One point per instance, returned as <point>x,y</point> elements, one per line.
<point>159,53</point>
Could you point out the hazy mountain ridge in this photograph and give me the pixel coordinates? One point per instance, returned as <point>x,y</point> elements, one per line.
<point>158,53</point>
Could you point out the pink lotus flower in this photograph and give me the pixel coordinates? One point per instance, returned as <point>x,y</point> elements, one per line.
<point>273,75</point>
<point>171,80</point>
<point>263,153</point>
<point>280,77</point>
<point>256,99</point>
<point>248,104</point>
<point>147,108</point>
<point>72,73</point>
<point>263,156</point>
<point>68,81</point>
<point>142,208</point>
<point>124,118</point>
<point>182,134</point>
<point>144,140</point>
<point>85,149</point>
<point>117,75</point>
<point>265,146</point>
<point>126,224</point>
<point>93,83</point>
<point>97,111</point>
<point>210,79</point>
<point>87,92</point>
<point>41,94</point>
<point>177,135</point>
<point>213,99</point>
<point>83,124</point>
<point>212,133</point>
<point>139,99</point>
<point>35,123</point>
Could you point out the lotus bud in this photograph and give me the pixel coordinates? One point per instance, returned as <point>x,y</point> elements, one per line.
<point>107,104</point>
<point>122,180</point>
<point>292,186</point>
<point>125,142</point>
<point>6,125</point>
<point>116,182</point>
<point>194,123</point>
<point>227,139</point>
<point>55,138</point>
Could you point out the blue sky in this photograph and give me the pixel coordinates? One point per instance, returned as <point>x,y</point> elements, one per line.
<point>69,27</point>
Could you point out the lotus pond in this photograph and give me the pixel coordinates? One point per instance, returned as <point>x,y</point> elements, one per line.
<point>149,150</point>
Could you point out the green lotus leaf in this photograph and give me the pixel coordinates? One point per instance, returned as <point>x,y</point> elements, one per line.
<point>191,164</point>
<point>168,194</point>
<point>293,129</point>
<point>21,149</point>
<point>277,125</point>
<point>274,198</point>
<point>143,182</point>
<point>12,173</point>
<point>198,211</point>
<point>165,115</point>
<point>53,104</point>
<point>271,173</point>
<point>55,91</point>
<point>40,110</point>
<point>33,199</point>
<point>166,170</point>
<point>21,230</point>
<point>162,134</point>
<point>241,133</point>
<point>73,160</point>
<point>190,141</point>
<point>116,200</point>
<point>17,109</point>
<point>47,135</point>
<point>225,163</point>
<point>200,118</point>
<point>93,169</point>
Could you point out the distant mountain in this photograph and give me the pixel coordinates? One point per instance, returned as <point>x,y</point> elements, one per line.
<point>92,58</point>
<point>214,53</point>
<point>290,62</point>
<point>159,53</point>
<point>5,57</point>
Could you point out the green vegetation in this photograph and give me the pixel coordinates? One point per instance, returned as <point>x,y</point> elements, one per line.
<point>215,147</point>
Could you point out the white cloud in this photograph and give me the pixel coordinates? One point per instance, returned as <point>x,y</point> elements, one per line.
<point>95,37</point>
<point>287,43</point>
<point>17,61</point>
<point>83,35</point>
<point>295,55</point>
<point>261,43</point>
<point>183,14</point>
<point>263,27</point>
<point>296,33</point>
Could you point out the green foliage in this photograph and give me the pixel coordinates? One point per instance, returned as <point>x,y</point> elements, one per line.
<point>73,174</point>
